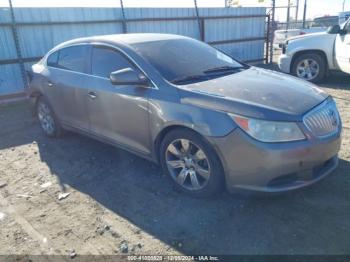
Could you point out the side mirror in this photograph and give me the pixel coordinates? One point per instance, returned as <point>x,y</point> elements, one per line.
<point>335,29</point>
<point>128,76</point>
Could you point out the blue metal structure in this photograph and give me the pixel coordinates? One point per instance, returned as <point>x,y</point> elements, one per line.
<point>239,32</point>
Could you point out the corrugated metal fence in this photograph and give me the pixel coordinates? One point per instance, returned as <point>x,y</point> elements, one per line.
<point>237,31</point>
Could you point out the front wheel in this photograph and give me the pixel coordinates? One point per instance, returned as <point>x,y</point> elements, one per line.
<point>310,67</point>
<point>191,163</point>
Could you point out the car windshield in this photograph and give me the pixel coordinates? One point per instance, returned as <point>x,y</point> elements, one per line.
<point>185,60</point>
<point>325,21</point>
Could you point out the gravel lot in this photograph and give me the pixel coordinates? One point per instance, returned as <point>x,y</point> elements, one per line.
<point>121,203</point>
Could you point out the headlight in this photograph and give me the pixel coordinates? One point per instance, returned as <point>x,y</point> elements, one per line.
<point>269,131</point>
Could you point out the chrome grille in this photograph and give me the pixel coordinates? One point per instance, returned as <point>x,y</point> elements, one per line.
<point>323,120</point>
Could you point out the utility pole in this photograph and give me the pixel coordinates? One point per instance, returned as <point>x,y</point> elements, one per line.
<point>272,28</point>
<point>343,5</point>
<point>125,30</point>
<point>288,15</point>
<point>304,16</point>
<point>198,20</point>
<point>297,10</point>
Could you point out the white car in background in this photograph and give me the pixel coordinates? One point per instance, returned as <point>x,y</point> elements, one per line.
<point>319,24</point>
<point>312,56</point>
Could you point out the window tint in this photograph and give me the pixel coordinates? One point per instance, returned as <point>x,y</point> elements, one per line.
<point>52,59</point>
<point>106,60</point>
<point>73,58</point>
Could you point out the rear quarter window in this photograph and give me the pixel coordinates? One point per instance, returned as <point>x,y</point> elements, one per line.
<point>73,58</point>
<point>52,59</point>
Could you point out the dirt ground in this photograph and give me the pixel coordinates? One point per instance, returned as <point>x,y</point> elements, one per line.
<point>120,203</point>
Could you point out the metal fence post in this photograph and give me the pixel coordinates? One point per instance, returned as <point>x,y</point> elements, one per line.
<point>288,15</point>
<point>201,32</point>
<point>202,29</point>
<point>125,29</point>
<point>297,11</point>
<point>17,45</point>
<point>272,22</point>
<point>304,14</point>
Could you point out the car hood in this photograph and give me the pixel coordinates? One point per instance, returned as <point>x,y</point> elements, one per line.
<point>311,30</point>
<point>258,93</point>
<point>283,31</point>
<point>321,35</point>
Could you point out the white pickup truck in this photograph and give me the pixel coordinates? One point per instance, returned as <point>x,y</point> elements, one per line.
<point>319,24</point>
<point>312,56</point>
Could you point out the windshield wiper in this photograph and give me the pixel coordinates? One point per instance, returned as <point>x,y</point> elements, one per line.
<point>222,69</point>
<point>188,78</point>
<point>209,73</point>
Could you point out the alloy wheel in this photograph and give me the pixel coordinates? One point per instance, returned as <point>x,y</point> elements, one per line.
<point>308,69</point>
<point>46,119</point>
<point>188,164</point>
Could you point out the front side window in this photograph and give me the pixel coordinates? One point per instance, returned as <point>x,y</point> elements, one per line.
<point>72,58</point>
<point>186,59</point>
<point>105,60</point>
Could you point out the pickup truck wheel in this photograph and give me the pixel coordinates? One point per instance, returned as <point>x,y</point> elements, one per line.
<point>311,67</point>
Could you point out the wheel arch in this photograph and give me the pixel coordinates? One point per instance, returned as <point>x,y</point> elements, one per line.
<point>34,97</point>
<point>160,136</point>
<point>167,129</point>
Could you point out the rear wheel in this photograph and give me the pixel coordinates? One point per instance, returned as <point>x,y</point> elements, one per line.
<point>191,163</point>
<point>47,119</point>
<point>310,67</point>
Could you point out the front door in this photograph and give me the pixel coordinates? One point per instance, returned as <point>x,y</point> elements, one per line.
<point>117,113</point>
<point>342,49</point>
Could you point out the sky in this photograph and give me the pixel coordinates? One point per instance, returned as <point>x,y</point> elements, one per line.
<point>315,7</point>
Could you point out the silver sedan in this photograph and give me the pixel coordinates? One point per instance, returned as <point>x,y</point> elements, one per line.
<point>207,119</point>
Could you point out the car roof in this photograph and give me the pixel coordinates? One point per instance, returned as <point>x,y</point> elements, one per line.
<point>127,39</point>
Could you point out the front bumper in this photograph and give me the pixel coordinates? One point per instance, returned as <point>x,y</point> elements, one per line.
<point>284,63</point>
<point>275,167</point>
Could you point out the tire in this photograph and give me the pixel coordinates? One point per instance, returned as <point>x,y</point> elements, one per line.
<point>315,71</point>
<point>195,168</point>
<point>47,118</point>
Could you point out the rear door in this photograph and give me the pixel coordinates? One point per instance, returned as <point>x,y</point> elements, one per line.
<point>117,113</point>
<point>342,49</point>
<point>65,88</point>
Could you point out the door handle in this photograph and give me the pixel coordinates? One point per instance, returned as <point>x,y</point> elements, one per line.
<point>49,84</point>
<point>92,95</point>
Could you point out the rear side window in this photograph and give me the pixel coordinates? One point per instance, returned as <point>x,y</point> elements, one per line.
<point>106,60</point>
<point>73,58</point>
